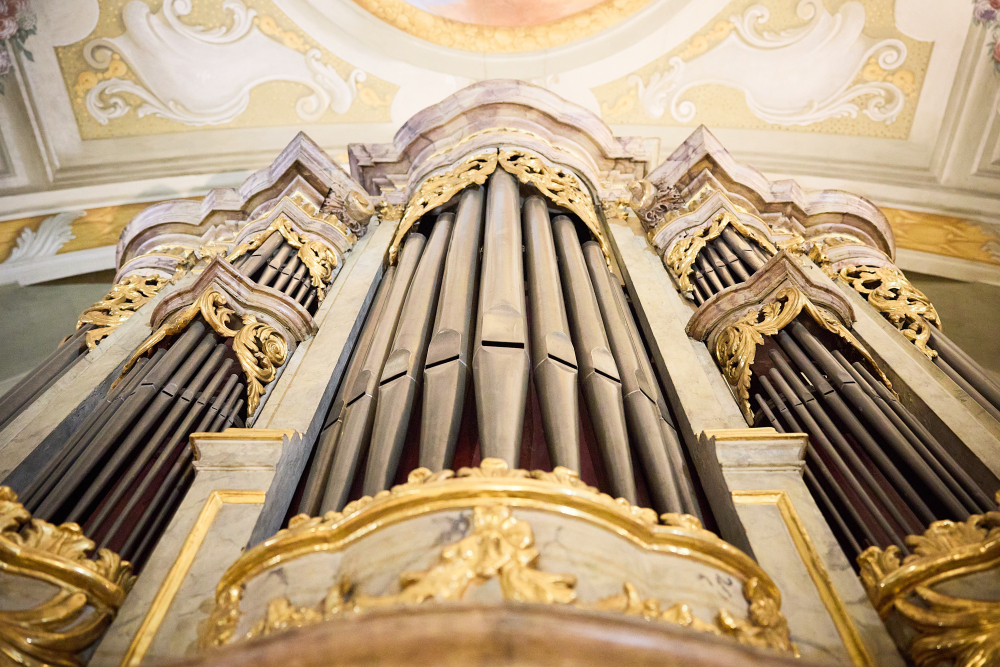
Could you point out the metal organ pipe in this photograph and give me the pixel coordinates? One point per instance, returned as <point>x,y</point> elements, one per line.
<point>446,365</point>
<point>553,357</point>
<point>500,363</point>
<point>403,370</point>
<point>599,378</point>
<point>360,398</point>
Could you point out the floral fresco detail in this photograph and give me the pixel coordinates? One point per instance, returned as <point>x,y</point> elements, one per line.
<point>17,24</point>
<point>987,13</point>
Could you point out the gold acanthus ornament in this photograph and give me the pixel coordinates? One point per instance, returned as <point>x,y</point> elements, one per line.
<point>503,547</point>
<point>259,348</point>
<point>85,593</point>
<point>890,293</point>
<point>736,345</point>
<point>950,630</point>
<point>316,255</point>
<point>558,185</point>
<point>118,305</point>
<point>681,257</point>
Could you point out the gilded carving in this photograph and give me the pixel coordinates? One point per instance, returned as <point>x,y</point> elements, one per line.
<point>949,630</point>
<point>890,293</point>
<point>89,590</point>
<point>318,258</point>
<point>557,185</point>
<point>352,208</point>
<point>118,305</point>
<point>439,189</point>
<point>389,212</point>
<point>258,347</point>
<point>680,260</point>
<point>736,345</point>
<point>499,546</point>
<point>503,547</point>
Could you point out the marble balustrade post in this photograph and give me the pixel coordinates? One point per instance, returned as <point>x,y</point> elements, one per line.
<point>829,614</point>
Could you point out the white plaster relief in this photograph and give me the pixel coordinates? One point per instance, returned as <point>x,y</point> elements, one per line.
<point>198,76</point>
<point>823,57</point>
<point>52,235</point>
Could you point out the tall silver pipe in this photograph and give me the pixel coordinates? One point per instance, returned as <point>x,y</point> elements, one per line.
<point>500,363</point>
<point>403,370</point>
<point>601,383</point>
<point>446,367</point>
<point>360,398</point>
<point>319,472</point>
<point>641,412</point>
<point>552,353</point>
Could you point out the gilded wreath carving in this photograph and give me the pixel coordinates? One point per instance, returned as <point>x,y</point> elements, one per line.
<point>949,630</point>
<point>258,347</point>
<point>736,345</point>
<point>499,546</point>
<point>118,305</point>
<point>890,293</point>
<point>89,590</point>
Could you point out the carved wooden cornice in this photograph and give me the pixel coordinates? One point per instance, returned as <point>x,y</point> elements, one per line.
<point>76,596</point>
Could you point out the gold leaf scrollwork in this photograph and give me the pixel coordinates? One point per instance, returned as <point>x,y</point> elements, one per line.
<point>681,258</point>
<point>317,256</point>
<point>503,547</point>
<point>260,350</point>
<point>88,591</point>
<point>259,347</point>
<point>736,345</point>
<point>949,630</point>
<point>557,185</point>
<point>890,293</point>
<point>439,189</point>
<point>118,305</point>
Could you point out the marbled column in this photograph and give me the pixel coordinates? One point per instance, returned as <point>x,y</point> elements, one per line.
<point>303,394</point>
<point>234,474</point>
<point>39,432</point>
<point>828,612</point>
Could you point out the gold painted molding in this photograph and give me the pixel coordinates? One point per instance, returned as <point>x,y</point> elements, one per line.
<point>828,595</point>
<point>55,631</point>
<point>118,305</point>
<point>949,630</point>
<point>492,484</point>
<point>500,39</point>
<point>182,565</point>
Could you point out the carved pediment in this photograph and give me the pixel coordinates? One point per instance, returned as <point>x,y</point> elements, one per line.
<point>668,234</point>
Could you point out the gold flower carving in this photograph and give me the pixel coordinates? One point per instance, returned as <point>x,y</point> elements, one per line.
<point>949,630</point>
<point>736,345</point>
<point>118,305</point>
<point>890,293</point>
<point>88,592</point>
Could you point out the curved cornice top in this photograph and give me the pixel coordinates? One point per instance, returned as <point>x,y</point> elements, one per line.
<point>302,165</point>
<point>498,113</point>
<point>818,212</point>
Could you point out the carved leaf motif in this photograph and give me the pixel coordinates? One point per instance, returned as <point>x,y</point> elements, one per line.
<point>260,350</point>
<point>118,305</point>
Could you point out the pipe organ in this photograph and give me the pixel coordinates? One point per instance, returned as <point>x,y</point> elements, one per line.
<point>511,358</point>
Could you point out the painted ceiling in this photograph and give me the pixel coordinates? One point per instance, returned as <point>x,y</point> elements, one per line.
<point>138,100</point>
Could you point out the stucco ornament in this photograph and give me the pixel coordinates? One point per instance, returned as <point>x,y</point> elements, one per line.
<point>52,234</point>
<point>824,57</point>
<point>199,76</point>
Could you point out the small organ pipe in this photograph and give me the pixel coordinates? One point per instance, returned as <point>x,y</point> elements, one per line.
<point>403,370</point>
<point>274,265</point>
<point>641,412</point>
<point>721,270</point>
<point>709,273</point>
<point>446,366</point>
<point>260,256</point>
<point>361,397</point>
<point>319,472</point>
<point>500,364</point>
<point>599,378</point>
<point>824,500</point>
<point>957,358</point>
<point>553,357</point>
<point>742,248</point>
<point>967,387</point>
<point>287,270</point>
<point>731,260</point>
<point>204,426</point>
<point>866,406</point>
